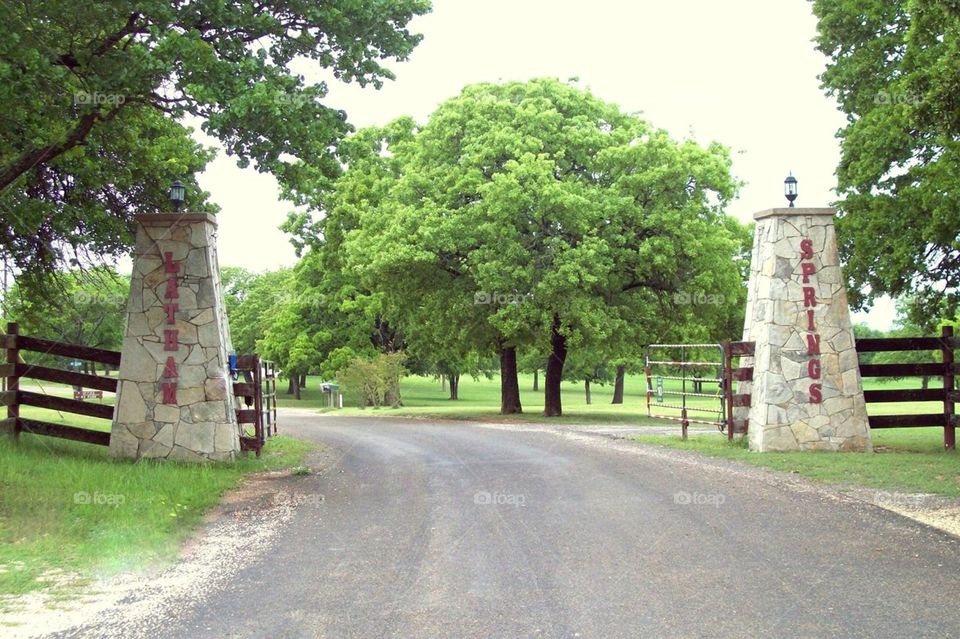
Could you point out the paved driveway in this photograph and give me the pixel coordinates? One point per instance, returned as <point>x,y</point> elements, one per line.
<point>441,529</point>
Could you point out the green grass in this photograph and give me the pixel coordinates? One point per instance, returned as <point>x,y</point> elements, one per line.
<point>906,459</point>
<point>147,508</point>
<point>480,400</point>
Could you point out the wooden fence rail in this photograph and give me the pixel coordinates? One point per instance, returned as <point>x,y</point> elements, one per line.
<point>946,368</point>
<point>13,398</point>
<point>739,374</point>
<point>258,387</point>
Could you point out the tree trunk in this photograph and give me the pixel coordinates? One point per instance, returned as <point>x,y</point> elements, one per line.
<point>509,384</point>
<point>925,382</point>
<point>443,382</point>
<point>296,387</point>
<point>455,386</point>
<point>303,381</point>
<point>536,379</point>
<point>618,385</point>
<point>291,385</point>
<point>552,406</point>
<point>586,387</point>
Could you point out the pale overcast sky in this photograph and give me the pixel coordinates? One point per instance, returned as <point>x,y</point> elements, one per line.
<point>742,72</point>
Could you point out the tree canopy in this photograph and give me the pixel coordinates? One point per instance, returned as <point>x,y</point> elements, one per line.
<point>536,214</point>
<point>95,95</point>
<point>893,69</point>
<point>90,310</point>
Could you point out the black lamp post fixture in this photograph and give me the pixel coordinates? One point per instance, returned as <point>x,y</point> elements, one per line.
<point>790,188</point>
<point>177,194</point>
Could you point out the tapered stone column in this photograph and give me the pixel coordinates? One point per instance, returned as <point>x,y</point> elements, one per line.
<point>806,391</point>
<point>174,398</point>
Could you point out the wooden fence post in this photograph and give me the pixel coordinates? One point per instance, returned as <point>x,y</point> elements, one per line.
<point>949,428</point>
<point>728,387</point>
<point>13,382</point>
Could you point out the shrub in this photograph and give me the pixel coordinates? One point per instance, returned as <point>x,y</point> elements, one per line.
<point>373,381</point>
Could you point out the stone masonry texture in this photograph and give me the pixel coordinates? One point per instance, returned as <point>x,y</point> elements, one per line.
<point>801,399</point>
<point>201,425</point>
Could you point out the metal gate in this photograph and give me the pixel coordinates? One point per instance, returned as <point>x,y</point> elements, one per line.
<point>684,379</point>
<point>689,371</point>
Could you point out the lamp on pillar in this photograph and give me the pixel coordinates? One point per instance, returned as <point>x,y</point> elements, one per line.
<point>790,188</point>
<point>177,194</point>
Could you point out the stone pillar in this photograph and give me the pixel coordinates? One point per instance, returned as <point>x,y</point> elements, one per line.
<point>806,391</point>
<point>174,398</point>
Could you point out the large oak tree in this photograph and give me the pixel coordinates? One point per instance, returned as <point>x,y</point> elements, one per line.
<point>536,214</point>
<point>894,68</point>
<point>94,94</point>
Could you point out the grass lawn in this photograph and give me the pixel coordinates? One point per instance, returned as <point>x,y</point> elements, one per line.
<point>906,459</point>
<point>480,400</point>
<point>137,515</point>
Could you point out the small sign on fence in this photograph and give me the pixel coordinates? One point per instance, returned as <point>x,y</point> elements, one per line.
<point>659,389</point>
<point>88,394</point>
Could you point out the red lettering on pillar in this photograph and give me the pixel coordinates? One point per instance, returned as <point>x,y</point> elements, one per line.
<point>170,339</point>
<point>816,395</point>
<point>808,268</point>
<point>170,335</point>
<point>170,368</point>
<point>169,265</point>
<point>171,292</point>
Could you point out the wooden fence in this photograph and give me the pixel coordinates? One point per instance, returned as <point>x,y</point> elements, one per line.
<point>13,398</point>
<point>731,376</point>
<point>946,369</point>
<point>257,390</point>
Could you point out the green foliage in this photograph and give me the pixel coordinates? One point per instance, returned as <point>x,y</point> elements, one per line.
<point>860,331</point>
<point>906,327</point>
<point>251,301</point>
<point>893,69</point>
<point>522,202</point>
<point>373,381</point>
<point>94,93</point>
<point>90,311</point>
